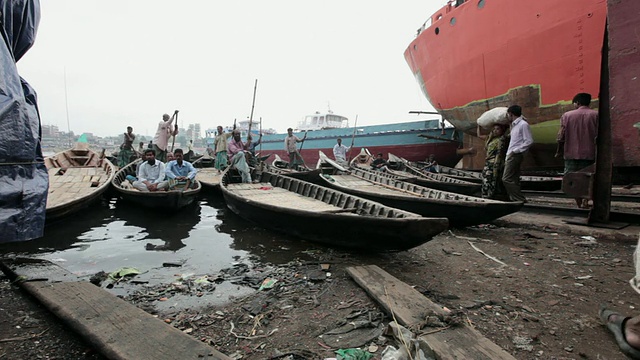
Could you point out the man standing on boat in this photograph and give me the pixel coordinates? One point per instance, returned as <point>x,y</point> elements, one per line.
<point>291,148</point>
<point>340,153</point>
<point>577,138</point>
<point>164,132</point>
<point>220,148</point>
<point>151,174</point>
<point>180,171</point>
<point>521,141</point>
<point>126,149</point>
<point>236,151</point>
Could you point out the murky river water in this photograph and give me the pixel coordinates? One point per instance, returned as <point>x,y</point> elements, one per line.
<point>206,237</point>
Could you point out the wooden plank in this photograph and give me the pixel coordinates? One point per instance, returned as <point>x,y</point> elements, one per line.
<point>116,328</point>
<point>411,308</point>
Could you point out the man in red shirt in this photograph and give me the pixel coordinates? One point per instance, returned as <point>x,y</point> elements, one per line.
<point>577,137</point>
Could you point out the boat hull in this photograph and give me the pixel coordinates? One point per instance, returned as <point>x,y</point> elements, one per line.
<point>474,58</point>
<point>461,210</point>
<point>359,232</point>
<point>77,179</point>
<point>414,140</point>
<point>157,200</point>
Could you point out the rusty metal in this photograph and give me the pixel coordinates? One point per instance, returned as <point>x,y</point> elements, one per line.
<point>579,184</point>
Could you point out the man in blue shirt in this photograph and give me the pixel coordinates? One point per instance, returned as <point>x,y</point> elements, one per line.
<point>180,172</point>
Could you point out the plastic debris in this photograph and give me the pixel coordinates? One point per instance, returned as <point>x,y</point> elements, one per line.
<point>123,272</point>
<point>268,283</point>
<point>353,354</point>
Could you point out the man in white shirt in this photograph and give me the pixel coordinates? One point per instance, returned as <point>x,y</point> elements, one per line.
<point>340,152</point>
<point>151,174</point>
<point>521,141</point>
<point>163,133</point>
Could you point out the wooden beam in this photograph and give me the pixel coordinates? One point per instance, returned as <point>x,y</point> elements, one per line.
<point>410,308</point>
<point>117,329</point>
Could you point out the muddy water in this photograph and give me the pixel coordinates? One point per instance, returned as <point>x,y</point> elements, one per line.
<point>205,238</point>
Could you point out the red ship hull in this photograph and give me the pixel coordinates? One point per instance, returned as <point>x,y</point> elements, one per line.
<point>537,54</point>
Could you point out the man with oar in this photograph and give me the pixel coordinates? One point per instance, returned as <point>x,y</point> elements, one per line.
<point>291,147</point>
<point>340,153</point>
<point>164,132</point>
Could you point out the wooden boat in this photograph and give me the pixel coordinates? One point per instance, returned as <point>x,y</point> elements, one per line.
<point>461,210</point>
<point>310,175</point>
<point>162,200</point>
<point>363,159</point>
<point>77,178</point>
<point>432,180</point>
<point>527,182</point>
<point>208,176</point>
<point>326,216</point>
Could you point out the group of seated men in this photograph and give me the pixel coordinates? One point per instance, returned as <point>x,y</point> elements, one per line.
<point>154,175</point>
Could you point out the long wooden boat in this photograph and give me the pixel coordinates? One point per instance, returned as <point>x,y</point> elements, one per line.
<point>77,178</point>
<point>208,175</point>
<point>327,216</point>
<point>433,180</point>
<point>461,210</point>
<point>527,182</point>
<point>162,200</point>
<point>310,175</point>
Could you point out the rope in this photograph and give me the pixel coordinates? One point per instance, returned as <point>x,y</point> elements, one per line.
<point>22,163</point>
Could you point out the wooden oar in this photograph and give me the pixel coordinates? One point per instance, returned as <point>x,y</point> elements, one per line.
<point>353,138</point>
<point>253,103</point>
<point>174,136</point>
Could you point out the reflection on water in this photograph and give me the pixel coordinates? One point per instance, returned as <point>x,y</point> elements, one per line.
<point>206,237</point>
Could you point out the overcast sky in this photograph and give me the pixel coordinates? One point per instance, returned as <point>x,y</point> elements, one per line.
<point>128,62</point>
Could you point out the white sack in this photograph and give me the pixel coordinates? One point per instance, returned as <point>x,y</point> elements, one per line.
<point>494,116</point>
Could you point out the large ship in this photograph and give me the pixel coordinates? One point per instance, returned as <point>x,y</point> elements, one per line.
<point>414,140</point>
<point>474,55</point>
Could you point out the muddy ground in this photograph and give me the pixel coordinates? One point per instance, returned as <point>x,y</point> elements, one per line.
<point>542,303</point>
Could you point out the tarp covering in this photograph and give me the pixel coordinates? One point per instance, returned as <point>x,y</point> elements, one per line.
<point>23,176</point>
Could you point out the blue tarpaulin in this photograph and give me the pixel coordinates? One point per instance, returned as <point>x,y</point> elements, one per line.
<point>23,175</point>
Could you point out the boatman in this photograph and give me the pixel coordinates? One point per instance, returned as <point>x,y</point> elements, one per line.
<point>340,153</point>
<point>164,132</point>
<point>577,138</point>
<point>151,174</point>
<point>236,150</point>
<point>220,148</point>
<point>126,149</point>
<point>181,174</point>
<point>291,148</point>
<point>521,141</point>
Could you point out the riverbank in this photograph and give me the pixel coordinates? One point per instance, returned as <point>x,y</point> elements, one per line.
<point>537,298</point>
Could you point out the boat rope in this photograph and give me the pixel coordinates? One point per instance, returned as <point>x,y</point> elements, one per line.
<point>22,163</point>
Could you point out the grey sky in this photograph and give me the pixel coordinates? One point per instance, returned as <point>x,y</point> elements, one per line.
<point>128,62</point>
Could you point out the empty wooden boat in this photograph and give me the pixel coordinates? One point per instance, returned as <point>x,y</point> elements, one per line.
<point>327,216</point>
<point>461,210</point>
<point>527,182</point>
<point>77,178</point>
<point>433,180</point>
<point>161,200</point>
<point>208,175</point>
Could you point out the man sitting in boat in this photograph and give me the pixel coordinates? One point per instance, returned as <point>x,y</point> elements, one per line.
<point>151,174</point>
<point>291,148</point>
<point>251,146</point>
<point>181,174</point>
<point>170,156</point>
<point>379,163</point>
<point>236,150</point>
<point>340,153</point>
<point>431,165</point>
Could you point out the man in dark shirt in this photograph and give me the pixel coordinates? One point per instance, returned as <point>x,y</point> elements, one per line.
<point>379,163</point>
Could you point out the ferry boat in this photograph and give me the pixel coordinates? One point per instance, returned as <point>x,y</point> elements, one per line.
<point>414,140</point>
<point>473,55</point>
